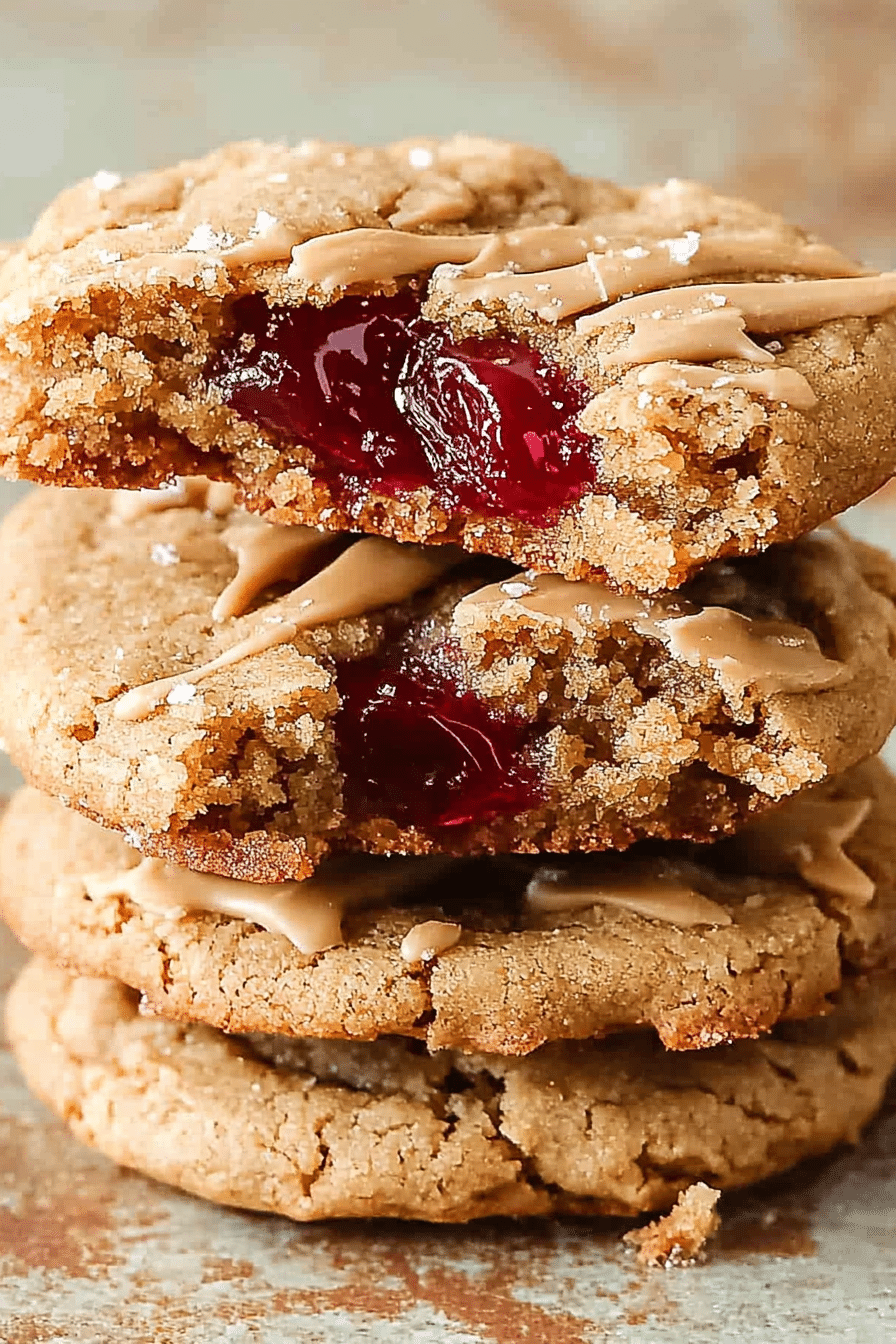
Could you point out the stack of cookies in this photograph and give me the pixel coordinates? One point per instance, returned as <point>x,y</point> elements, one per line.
<point>451,749</point>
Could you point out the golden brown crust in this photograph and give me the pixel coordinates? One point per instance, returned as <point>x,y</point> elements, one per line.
<point>101,361</point>
<point>332,1130</point>
<point>243,779</point>
<point>516,979</point>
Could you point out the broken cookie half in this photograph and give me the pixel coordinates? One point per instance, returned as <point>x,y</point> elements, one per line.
<point>453,342</point>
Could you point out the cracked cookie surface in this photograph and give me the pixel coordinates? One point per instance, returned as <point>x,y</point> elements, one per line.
<point>114,312</point>
<point>332,1130</point>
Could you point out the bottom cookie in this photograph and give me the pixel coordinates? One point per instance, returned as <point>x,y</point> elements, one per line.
<point>324,1129</point>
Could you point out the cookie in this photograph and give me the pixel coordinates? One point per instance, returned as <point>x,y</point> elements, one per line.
<point>468,716</point>
<point>334,1130</point>
<point>453,341</point>
<point>704,943</point>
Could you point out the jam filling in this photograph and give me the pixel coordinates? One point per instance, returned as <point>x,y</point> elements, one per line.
<point>415,747</point>
<point>388,402</point>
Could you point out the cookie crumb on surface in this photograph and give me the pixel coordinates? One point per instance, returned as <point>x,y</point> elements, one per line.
<point>679,1238</point>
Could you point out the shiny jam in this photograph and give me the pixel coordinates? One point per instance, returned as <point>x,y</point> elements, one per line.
<point>416,748</point>
<point>388,402</point>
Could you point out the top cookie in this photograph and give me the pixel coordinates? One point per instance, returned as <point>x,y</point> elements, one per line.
<point>453,341</point>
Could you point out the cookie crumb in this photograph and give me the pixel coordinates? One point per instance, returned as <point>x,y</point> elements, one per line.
<point>679,1238</point>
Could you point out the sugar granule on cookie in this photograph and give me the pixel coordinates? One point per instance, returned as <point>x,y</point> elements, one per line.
<point>482,349</point>
<point>680,1237</point>
<point>286,694</point>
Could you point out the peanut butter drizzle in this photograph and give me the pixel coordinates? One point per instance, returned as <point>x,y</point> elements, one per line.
<point>808,836</point>
<point>539,248</point>
<point>371,256</point>
<point>266,553</point>
<point>187,492</point>
<point>270,240</point>
<point>770,654</point>
<point>768,308</point>
<point>716,334</point>
<point>424,942</point>
<point>778,384</point>
<point>550,595</point>
<point>371,574</point>
<point>368,256</point>
<point>604,276</point>
<point>555,270</point>
<point>654,889</point>
<point>308,913</point>
<point>139,702</point>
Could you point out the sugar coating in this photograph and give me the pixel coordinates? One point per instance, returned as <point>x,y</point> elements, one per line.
<point>517,977</point>
<point>243,778</point>
<point>327,1129</point>
<point>101,364</point>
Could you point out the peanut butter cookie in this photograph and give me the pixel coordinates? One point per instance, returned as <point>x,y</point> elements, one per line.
<point>453,341</point>
<point>245,699</point>
<point>704,943</point>
<point>336,1130</point>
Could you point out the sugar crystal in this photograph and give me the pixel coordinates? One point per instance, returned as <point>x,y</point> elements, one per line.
<point>264,222</point>
<point>204,238</point>
<point>517,589</point>
<point>181,693</point>
<point>682,249</point>
<point>163,553</point>
<point>105,181</point>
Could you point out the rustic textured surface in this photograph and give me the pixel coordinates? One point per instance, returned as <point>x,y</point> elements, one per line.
<point>91,1255</point>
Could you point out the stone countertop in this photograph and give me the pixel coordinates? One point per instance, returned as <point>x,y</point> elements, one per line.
<point>91,1254</point>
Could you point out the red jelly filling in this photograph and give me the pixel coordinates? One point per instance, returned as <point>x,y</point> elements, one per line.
<point>387,401</point>
<point>415,748</point>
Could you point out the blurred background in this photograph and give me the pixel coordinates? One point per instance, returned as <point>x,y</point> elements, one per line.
<point>790,101</point>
